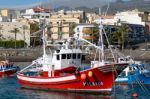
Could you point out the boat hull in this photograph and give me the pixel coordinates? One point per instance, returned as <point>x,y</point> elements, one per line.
<point>136,79</point>
<point>7,73</point>
<point>139,79</point>
<point>93,80</point>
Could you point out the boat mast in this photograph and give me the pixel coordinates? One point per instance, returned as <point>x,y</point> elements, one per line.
<point>101,41</point>
<point>44,42</point>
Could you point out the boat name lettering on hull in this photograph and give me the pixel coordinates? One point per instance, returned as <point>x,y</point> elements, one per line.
<point>92,83</point>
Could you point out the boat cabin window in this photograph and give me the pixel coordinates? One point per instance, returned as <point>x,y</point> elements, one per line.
<point>79,56</point>
<point>74,56</point>
<point>123,74</point>
<point>68,56</point>
<point>83,57</point>
<point>57,57</point>
<point>130,68</point>
<point>142,68</point>
<point>137,67</point>
<point>63,56</point>
<point>57,51</point>
<point>134,68</point>
<point>121,59</point>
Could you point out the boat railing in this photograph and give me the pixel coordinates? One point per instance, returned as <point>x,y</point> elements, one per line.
<point>26,68</point>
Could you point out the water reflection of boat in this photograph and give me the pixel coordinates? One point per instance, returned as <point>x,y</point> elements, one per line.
<point>63,71</point>
<point>134,74</point>
<point>57,95</point>
<point>7,68</point>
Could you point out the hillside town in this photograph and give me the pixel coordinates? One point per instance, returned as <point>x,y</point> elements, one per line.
<point>71,51</point>
<point>61,24</point>
<point>23,28</point>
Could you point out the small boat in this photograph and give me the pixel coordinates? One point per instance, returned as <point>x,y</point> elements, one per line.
<point>63,71</point>
<point>135,73</point>
<point>7,68</point>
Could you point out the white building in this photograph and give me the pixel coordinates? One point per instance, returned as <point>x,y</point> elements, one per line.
<point>36,13</point>
<point>130,17</point>
<point>80,31</point>
<point>23,34</point>
<point>106,20</point>
<point>0,18</point>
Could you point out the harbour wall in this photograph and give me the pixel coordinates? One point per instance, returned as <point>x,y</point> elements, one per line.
<point>27,55</point>
<point>20,55</point>
<point>138,54</point>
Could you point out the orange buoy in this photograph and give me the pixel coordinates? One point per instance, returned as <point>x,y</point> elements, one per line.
<point>135,94</point>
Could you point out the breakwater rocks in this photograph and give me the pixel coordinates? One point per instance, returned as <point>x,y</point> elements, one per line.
<point>20,55</point>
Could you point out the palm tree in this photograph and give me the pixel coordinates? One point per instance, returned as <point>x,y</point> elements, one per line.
<point>24,27</point>
<point>121,34</point>
<point>71,29</point>
<point>60,33</point>
<point>15,31</point>
<point>34,27</point>
<point>116,37</point>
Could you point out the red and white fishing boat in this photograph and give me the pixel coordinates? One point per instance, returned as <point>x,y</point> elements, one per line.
<point>63,71</point>
<point>7,68</point>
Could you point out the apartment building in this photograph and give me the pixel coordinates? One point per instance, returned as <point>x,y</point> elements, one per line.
<point>62,24</point>
<point>9,15</point>
<point>23,34</point>
<point>36,13</point>
<point>88,32</point>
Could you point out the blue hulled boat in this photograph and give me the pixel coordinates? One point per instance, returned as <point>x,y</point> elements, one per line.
<point>134,74</point>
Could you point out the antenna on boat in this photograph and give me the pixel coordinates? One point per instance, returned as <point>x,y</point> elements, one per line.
<point>99,12</point>
<point>107,8</point>
<point>44,42</point>
<point>105,32</point>
<point>101,42</point>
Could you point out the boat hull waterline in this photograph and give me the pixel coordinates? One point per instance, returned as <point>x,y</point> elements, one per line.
<point>138,74</point>
<point>8,73</point>
<point>93,80</point>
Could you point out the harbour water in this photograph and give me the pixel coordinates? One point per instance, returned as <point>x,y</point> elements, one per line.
<point>10,89</point>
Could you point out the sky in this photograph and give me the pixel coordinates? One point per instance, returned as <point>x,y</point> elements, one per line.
<point>16,3</point>
<point>27,3</point>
